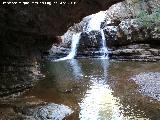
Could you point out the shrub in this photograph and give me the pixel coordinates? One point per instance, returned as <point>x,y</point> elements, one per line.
<point>147,20</point>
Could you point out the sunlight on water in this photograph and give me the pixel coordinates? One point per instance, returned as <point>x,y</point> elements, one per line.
<point>99,104</point>
<point>97,89</point>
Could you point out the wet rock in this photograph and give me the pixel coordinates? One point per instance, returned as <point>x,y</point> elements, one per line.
<point>149,83</point>
<point>90,44</point>
<point>32,108</point>
<point>111,35</point>
<point>155,34</point>
<point>52,112</point>
<point>57,52</point>
<point>136,52</point>
<point>79,27</point>
<point>18,76</point>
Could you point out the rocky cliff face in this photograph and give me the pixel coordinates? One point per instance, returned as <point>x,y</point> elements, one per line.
<point>131,30</point>
<point>135,33</point>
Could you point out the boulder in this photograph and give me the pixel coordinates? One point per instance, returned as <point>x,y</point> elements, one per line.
<point>51,112</point>
<point>90,44</point>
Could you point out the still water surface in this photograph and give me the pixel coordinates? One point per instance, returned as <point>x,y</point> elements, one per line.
<point>98,89</point>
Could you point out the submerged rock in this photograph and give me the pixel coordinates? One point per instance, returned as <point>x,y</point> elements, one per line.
<point>33,110</point>
<point>52,112</point>
<point>149,84</point>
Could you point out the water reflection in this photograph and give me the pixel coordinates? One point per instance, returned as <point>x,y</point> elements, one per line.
<point>97,89</point>
<point>98,102</point>
<point>105,66</point>
<point>76,69</point>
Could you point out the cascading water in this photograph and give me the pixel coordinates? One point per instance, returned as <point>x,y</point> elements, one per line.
<point>75,41</point>
<point>104,48</point>
<point>94,24</point>
<point>95,21</point>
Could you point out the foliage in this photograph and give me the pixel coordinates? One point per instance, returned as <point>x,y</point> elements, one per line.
<point>147,20</point>
<point>137,1</point>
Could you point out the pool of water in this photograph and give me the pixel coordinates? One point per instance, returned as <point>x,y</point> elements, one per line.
<point>97,89</point>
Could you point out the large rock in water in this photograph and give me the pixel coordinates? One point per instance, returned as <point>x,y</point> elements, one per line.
<point>35,110</point>
<point>89,44</point>
<point>51,112</point>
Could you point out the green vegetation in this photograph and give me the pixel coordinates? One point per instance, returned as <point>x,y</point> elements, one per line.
<point>147,20</point>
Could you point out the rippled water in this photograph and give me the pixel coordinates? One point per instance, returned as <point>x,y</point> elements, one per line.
<point>98,89</point>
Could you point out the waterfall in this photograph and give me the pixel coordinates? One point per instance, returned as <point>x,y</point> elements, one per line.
<point>104,48</point>
<point>75,41</point>
<point>94,24</point>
